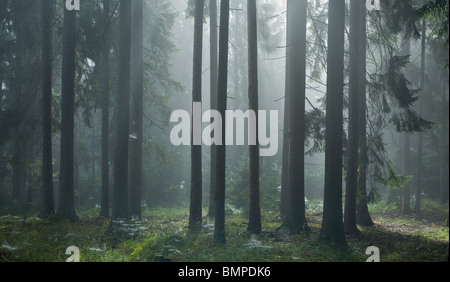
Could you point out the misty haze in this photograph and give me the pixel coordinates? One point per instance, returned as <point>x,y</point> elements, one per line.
<point>224,131</point>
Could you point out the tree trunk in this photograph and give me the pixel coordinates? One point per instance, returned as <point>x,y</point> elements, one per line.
<point>219,226</point>
<point>363,217</point>
<point>137,89</point>
<point>296,219</point>
<point>443,160</point>
<point>2,159</point>
<point>406,209</point>
<point>18,177</point>
<point>93,149</point>
<point>104,211</point>
<point>406,46</point>
<point>213,89</point>
<point>120,198</point>
<point>332,224</point>
<point>417,204</point>
<point>254,224</point>
<point>353,121</point>
<point>2,51</point>
<point>47,205</point>
<point>77,162</point>
<point>66,194</point>
<point>195,214</point>
<point>284,201</point>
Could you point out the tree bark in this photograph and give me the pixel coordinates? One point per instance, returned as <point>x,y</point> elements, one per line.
<point>417,204</point>
<point>66,194</point>
<point>213,89</point>
<point>443,160</point>
<point>104,211</point>
<point>405,197</point>
<point>120,198</point>
<point>18,177</point>
<point>332,225</point>
<point>47,205</point>
<point>284,201</point>
<point>195,214</point>
<point>137,90</point>
<point>363,217</point>
<point>353,121</point>
<point>219,226</point>
<point>406,209</point>
<point>254,224</point>
<point>296,218</point>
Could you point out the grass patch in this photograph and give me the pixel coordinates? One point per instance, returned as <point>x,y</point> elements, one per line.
<point>163,235</point>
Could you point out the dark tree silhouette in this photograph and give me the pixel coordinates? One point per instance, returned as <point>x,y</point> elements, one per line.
<point>219,226</point>
<point>66,184</point>
<point>104,211</point>
<point>362,210</point>
<point>213,89</point>
<point>353,120</point>
<point>120,198</point>
<point>332,224</point>
<point>254,224</point>
<point>47,69</point>
<point>195,215</point>
<point>137,90</point>
<point>295,218</point>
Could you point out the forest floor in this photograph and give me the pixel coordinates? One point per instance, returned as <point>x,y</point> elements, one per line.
<point>163,235</point>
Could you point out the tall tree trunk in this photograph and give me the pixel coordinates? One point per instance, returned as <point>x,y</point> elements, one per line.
<point>120,198</point>
<point>406,209</point>
<point>219,226</point>
<point>234,153</point>
<point>405,198</point>
<point>353,122</point>
<point>254,224</point>
<point>104,211</point>
<point>417,204</point>
<point>296,219</point>
<point>47,205</point>
<point>93,149</point>
<point>77,162</point>
<point>66,194</point>
<point>332,224</point>
<point>195,214</point>
<point>32,139</point>
<point>2,51</point>
<point>284,201</point>
<point>213,89</point>
<point>363,217</point>
<point>443,160</point>
<point>18,177</point>
<point>137,89</point>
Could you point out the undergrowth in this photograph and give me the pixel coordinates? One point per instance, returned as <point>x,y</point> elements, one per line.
<point>163,235</point>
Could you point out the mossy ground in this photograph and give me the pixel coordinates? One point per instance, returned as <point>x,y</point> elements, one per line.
<point>163,236</point>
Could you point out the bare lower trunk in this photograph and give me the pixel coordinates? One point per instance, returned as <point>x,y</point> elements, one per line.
<point>104,211</point>
<point>254,225</point>
<point>219,226</point>
<point>353,121</point>
<point>332,224</point>
<point>213,89</point>
<point>195,214</point>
